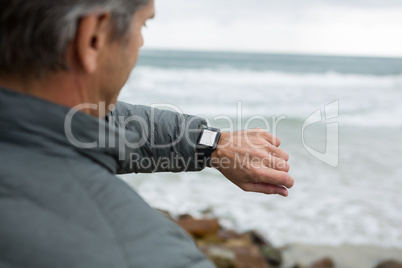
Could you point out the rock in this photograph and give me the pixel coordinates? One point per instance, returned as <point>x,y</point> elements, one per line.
<point>185,216</point>
<point>389,264</point>
<point>272,255</point>
<point>257,239</point>
<point>222,257</point>
<point>210,239</point>
<point>297,265</point>
<point>199,228</point>
<point>225,256</point>
<point>248,257</point>
<point>227,248</point>
<point>226,235</point>
<point>239,242</point>
<point>323,263</point>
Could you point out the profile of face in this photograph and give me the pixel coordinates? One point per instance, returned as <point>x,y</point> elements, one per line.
<point>122,55</point>
<point>98,63</point>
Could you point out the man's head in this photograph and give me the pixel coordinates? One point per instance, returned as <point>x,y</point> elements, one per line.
<point>96,42</point>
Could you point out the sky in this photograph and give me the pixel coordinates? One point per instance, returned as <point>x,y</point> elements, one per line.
<point>329,27</point>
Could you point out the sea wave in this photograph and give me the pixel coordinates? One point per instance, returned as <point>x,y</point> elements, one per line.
<point>354,203</point>
<point>364,100</point>
<point>231,76</point>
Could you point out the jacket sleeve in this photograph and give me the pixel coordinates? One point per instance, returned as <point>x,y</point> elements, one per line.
<point>168,139</point>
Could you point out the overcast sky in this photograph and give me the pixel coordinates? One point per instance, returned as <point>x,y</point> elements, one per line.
<point>340,27</point>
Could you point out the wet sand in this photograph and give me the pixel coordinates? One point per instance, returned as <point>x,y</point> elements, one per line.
<point>344,256</point>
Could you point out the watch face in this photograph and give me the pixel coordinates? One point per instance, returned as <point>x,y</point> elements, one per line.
<point>208,138</point>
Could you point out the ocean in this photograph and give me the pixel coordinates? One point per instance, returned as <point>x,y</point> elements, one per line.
<point>353,198</point>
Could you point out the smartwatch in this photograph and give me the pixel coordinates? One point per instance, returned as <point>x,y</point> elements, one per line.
<point>207,143</point>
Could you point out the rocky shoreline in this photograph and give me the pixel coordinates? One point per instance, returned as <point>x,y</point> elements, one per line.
<point>230,249</point>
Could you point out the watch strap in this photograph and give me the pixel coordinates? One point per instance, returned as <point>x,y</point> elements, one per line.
<point>204,152</point>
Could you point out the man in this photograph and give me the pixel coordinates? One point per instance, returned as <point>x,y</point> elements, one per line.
<point>60,202</point>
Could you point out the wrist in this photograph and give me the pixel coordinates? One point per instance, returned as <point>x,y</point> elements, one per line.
<point>218,153</point>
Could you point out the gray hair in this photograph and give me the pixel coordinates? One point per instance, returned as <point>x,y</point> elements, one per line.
<point>34,34</point>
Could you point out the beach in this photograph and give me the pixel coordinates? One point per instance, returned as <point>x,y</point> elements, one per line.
<point>229,248</point>
<point>354,201</point>
<point>345,256</point>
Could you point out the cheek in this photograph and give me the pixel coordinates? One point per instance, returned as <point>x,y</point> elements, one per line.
<point>136,43</point>
<point>138,39</point>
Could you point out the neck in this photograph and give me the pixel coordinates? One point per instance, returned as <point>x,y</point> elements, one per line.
<point>63,88</point>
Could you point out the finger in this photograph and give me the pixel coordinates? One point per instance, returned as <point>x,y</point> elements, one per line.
<point>266,188</point>
<point>272,176</point>
<point>275,151</point>
<point>275,141</point>
<point>271,161</point>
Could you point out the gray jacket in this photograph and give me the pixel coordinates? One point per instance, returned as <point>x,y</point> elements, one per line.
<point>62,206</point>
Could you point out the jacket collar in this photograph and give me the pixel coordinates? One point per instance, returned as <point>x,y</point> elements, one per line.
<point>36,123</point>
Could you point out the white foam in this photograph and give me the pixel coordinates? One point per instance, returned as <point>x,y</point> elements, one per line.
<point>356,203</point>
<point>317,212</point>
<point>364,100</point>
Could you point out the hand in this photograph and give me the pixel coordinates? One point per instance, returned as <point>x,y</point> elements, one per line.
<point>252,160</point>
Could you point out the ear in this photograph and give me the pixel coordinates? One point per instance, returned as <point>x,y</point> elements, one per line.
<point>92,36</point>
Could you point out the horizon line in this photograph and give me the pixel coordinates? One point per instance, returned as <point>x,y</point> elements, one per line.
<point>257,52</point>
